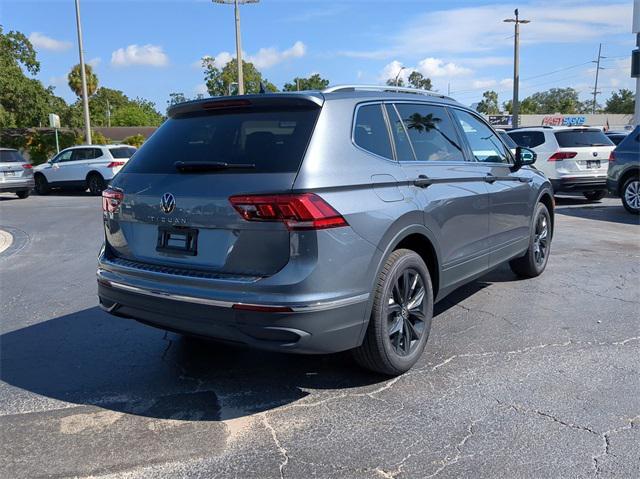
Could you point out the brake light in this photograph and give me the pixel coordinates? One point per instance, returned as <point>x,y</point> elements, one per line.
<point>563,155</point>
<point>111,200</point>
<point>113,164</point>
<point>27,166</point>
<point>305,211</point>
<point>612,156</point>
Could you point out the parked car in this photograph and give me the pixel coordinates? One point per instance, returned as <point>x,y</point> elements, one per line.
<point>82,167</point>
<point>616,136</point>
<point>623,179</point>
<point>575,159</point>
<point>16,174</point>
<point>507,140</point>
<point>318,222</point>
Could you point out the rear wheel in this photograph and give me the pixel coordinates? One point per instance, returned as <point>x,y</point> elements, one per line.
<point>42,185</point>
<point>22,194</point>
<point>535,259</point>
<point>401,317</point>
<point>595,195</point>
<point>96,184</point>
<point>631,195</point>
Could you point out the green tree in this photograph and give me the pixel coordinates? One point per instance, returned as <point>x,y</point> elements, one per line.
<point>134,140</point>
<point>394,82</point>
<point>219,80</point>
<point>489,103</point>
<point>75,80</point>
<point>622,101</point>
<point>314,82</point>
<point>418,80</point>
<point>137,112</point>
<point>175,98</point>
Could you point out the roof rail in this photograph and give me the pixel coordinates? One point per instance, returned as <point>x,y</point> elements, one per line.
<point>399,89</point>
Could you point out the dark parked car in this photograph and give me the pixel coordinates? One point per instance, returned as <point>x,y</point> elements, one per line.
<point>623,178</point>
<point>616,136</point>
<point>318,222</point>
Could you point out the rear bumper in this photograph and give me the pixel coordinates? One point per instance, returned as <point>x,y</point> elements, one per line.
<point>310,327</point>
<point>19,184</point>
<point>579,183</point>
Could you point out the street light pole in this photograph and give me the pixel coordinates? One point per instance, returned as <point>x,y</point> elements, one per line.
<point>398,76</point>
<point>236,7</point>
<point>515,104</point>
<point>83,75</point>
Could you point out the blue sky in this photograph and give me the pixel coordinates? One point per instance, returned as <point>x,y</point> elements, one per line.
<point>151,48</point>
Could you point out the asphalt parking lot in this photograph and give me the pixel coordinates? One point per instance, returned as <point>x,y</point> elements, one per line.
<point>537,378</point>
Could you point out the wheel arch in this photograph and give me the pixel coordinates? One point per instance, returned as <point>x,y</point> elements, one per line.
<point>91,173</point>
<point>546,198</point>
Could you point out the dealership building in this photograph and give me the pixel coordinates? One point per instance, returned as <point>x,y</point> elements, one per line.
<point>605,121</point>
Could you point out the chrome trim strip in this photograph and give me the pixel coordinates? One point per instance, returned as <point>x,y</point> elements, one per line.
<point>296,308</point>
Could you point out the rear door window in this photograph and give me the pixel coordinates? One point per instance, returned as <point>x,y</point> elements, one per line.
<point>582,137</point>
<point>10,156</point>
<point>431,132</point>
<point>370,131</point>
<point>272,139</point>
<point>529,139</point>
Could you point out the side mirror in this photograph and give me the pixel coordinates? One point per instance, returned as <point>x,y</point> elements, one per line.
<point>525,156</point>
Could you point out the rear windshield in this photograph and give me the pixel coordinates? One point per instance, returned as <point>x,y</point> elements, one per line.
<point>272,139</point>
<point>575,138</point>
<point>10,156</point>
<point>122,152</point>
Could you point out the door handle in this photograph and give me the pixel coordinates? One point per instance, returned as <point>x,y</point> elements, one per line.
<point>422,181</point>
<point>523,179</point>
<point>490,178</point>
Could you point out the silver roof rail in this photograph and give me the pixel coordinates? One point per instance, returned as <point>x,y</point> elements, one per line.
<point>399,89</point>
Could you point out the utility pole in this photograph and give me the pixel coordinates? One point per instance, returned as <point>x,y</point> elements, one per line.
<point>515,108</point>
<point>397,79</point>
<point>595,87</point>
<point>108,114</point>
<point>236,6</point>
<point>83,74</point>
<point>635,60</point>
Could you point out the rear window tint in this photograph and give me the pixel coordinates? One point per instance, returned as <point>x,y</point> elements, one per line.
<point>272,139</point>
<point>122,152</point>
<point>10,156</point>
<point>529,139</point>
<point>370,132</point>
<point>576,138</point>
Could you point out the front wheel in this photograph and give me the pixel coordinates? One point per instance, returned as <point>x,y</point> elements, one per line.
<point>595,195</point>
<point>534,261</point>
<point>42,185</point>
<point>631,195</point>
<point>401,317</point>
<point>23,194</point>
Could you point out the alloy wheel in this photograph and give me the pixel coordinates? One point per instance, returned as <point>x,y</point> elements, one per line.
<point>632,194</point>
<point>406,312</point>
<point>541,239</point>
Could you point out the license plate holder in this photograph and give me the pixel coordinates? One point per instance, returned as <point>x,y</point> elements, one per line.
<point>9,173</point>
<point>593,164</point>
<point>177,240</point>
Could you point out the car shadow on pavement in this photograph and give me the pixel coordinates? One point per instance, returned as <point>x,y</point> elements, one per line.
<point>612,214</point>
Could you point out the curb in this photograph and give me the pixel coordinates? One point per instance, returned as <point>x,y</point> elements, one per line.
<point>6,240</point>
<point>12,240</point>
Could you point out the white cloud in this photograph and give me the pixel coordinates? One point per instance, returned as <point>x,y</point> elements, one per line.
<point>479,84</point>
<point>435,67</point>
<point>41,41</point>
<point>506,83</point>
<point>94,62</point>
<point>149,55</point>
<point>268,57</point>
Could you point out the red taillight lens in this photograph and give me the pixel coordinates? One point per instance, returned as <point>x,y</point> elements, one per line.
<point>563,155</point>
<point>111,200</point>
<point>27,166</point>
<point>612,156</point>
<point>305,211</point>
<point>262,309</point>
<point>113,164</point>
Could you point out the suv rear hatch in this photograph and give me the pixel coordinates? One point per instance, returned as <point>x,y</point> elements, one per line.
<point>13,166</point>
<point>582,152</point>
<point>176,210</point>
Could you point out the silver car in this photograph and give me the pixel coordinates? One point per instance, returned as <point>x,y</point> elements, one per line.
<point>318,222</point>
<point>16,174</point>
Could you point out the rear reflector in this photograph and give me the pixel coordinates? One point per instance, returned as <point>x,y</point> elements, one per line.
<point>111,200</point>
<point>612,156</point>
<point>563,155</point>
<point>305,211</point>
<point>113,164</point>
<point>27,166</point>
<point>262,309</point>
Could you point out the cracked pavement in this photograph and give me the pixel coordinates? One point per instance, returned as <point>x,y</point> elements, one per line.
<point>537,378</point>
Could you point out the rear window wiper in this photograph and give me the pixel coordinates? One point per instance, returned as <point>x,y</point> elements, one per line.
<point>195,166</point>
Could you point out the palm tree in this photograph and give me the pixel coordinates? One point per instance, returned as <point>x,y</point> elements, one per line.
<point>75,80</point>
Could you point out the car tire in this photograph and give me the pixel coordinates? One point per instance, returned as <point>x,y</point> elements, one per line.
<point>595,195</point>
<point>630,195</point>
<point>534,262</point>
<point>23,194</point>
<point>96,183</point>
<point>400,320</point>
<point>42,185</point>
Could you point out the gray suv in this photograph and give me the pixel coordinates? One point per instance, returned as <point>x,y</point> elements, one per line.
<point>318,222</point>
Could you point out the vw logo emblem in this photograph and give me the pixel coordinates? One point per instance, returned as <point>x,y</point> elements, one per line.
<point>595,153</point>
<point>168,203</point>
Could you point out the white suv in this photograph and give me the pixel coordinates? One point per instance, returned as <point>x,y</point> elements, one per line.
<point>574,159</point>
<point>82,167</point>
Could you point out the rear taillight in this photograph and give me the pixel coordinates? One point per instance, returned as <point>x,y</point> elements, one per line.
<point>111,200</point>
<point>113,164</point>
<point>612,156</point>
<point>27,166</point>
<point>305,211</point>
<point>563,155</point>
